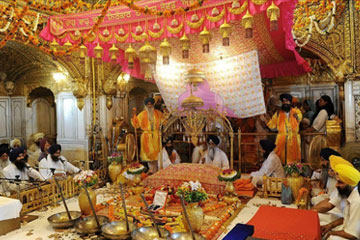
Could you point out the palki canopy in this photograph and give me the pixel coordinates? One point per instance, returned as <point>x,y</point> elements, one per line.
<point>185,28</point>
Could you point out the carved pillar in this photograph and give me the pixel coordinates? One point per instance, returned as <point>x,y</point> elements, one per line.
<point>349,123</point>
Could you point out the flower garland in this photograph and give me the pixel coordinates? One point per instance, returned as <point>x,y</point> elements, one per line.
<point>136,168</point>
<point>167,13</point>
<point>192,192</point>
<point>308,14</point>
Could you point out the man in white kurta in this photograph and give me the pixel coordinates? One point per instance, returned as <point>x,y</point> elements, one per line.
<point>19,170</point>
<point>4,158</point>
<point>271,167</point>
<point>348,183</point>
<point>169,155</point>
<point>214,155</point>
<point>54,160</point>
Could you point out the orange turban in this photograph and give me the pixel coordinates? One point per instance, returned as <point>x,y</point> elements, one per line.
<point>335,160</point>
<point>348,174</point>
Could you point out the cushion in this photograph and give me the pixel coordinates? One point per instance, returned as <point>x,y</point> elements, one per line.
<point>176,174</point>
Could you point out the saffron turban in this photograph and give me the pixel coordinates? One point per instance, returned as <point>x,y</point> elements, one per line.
<point>214,139</point>
<point>348,174</point>
<point>325,153</point>
<point>14,142</point>
<point>54,148</point>
<point>335,160</point>
<point>286,96</point>
<point>15,153</point>
<point>38,136</point>
<point>267,145</point>
<point>149,100</point>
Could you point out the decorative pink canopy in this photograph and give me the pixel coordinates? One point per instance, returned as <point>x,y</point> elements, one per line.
<point>277,54</point>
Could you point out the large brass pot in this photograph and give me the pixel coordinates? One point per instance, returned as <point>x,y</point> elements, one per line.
<point>196,217</point>
<point>117,230</point>
<point>88,225</point>
<point>84,201</point>
<point>114,171</point>
<point>185,236</point>
<point>149,233</point>
<point>295,182</point>
<point>61,220</point>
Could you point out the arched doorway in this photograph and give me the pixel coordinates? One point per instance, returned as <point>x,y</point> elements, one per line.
<point>43,116</point>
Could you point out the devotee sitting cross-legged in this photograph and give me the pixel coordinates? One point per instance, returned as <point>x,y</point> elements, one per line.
<point>18,167</point>
<point>169,154</point>
<point>55,160</point>
<point>214,155</point>
<point>4,157</point>
<point>348,184</point>
<point>271,167</point>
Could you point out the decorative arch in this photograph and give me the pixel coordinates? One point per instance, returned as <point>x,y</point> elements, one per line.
<point>43,93</point>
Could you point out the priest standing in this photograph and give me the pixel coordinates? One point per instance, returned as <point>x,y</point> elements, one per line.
<point>149,120</point>
<point>286,121</point>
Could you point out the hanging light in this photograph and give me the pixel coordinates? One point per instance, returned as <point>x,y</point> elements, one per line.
<point>83,51</point>
<point>165,50</point>
<point>147,54</point>
<point>185,46</point>
<point>205,37</point>
<point>98,50</point>
<point>225,30</point>
<point>247,22</point>
<point>273,12</point>
<point>130,54</point>
<point>54,45</point>
<point>67,46</point>
<point>113,53</point>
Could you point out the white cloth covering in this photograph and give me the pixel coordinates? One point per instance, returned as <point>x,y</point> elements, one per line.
<point>9,208</point>
<point>319,123</point>
<point>220,158</point>
<point>62,166</point>
<point>271,167</point>
<point>166,159</point>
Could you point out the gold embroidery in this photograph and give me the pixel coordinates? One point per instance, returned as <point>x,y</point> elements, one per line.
<point>75,37</point>
<point>121,38</point>
<point>156,34</point>
<point>216,18</point>
<point>195,24</point>
<point>91,37</point>
<point>259,2</point>
<point>175,30</point>
<point>140,37</point>
<point>62,36</point>
<point>237,11</point>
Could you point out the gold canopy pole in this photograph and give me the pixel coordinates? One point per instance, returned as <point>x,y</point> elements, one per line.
<point>94,106</point>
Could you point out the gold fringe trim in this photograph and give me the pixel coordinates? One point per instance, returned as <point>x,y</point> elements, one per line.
<point>240,10</point>
<point>259,2</point>
<point>140,37</point>
<point>217,18</point>
<point>62,36</point>
<point>105,39</point>
<point>74,37</point>
<point>156,34</point>
<point>91,38</point>
<point>196,24</point>
<point>175,30</point>
<point>121,39</point>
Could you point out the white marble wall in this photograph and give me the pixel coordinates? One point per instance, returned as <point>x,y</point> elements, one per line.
<point>71,127</point>
<point>5,119</point>
<point>352,110</point>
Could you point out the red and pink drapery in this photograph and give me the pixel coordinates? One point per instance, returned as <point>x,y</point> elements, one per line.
<point>277,54</point>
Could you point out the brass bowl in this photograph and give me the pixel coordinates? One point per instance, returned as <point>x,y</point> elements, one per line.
<point>149,233</point>
<point>117,230</point>
<point>88,225</point>
<point>185,236</point>
<point>61,220</point>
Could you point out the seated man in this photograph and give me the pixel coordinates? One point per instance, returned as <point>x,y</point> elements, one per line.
<point>44,147</point>
<point>271,167</point>
<point>15,143</point>
<point>214,155</point>
<point>4,157</point>
<point>54,160</point>
<point>348,183</point>
<point>18,169</point>
<point>169,154</point>
<point>325,176</point>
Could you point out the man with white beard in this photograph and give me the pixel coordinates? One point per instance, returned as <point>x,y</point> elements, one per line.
<point>149,121</point>
<point>214,155</point>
